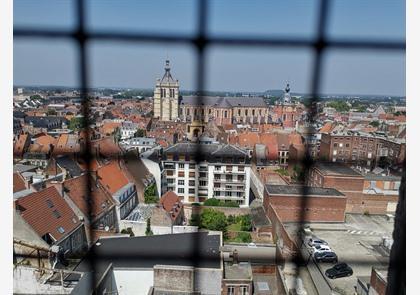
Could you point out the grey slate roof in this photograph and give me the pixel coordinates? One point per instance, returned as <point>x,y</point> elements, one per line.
<point>70,165</point>
<point>329,168</point>
<point>218,150</point>
<point>295,190</point>
<point>223,102</point>
<point>148,251</point>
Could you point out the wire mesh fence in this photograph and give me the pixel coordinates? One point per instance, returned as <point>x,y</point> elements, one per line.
<point>201,42</point>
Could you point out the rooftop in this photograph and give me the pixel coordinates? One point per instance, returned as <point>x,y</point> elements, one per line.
<point>47,212</point>
<point>224,102</point>
<point>295,190</point>
<point>338,169</point>
<point>148,251</point>
<point>238,271</point>
<point>218,150</point>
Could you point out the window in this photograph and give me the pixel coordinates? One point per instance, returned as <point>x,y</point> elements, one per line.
<point>181,182</point>
<point>181,166</point>
<point>56,214</point>
<point>203,183</point>
<point>243,290</point>
<point>50,203</point>
<point>191,183</point>
<point>230,290</point>
<point>191,191</point>
<point>180,190</point>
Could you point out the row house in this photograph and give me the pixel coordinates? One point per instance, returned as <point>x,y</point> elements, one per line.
<point>361,149</point>
<point>95,207</point>
<point>199,172</point>
<point>376,193</point>
<point>114,180</point>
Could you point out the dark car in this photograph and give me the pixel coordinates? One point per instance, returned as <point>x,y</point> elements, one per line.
<point>338,271</point>
<point>326,257</point>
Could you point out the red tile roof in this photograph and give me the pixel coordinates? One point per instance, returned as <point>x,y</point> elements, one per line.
<point>248,139</point>
<point>97,201</point>
<point>270,141</point>
<point>19,147</point>
<point>171,203</point>
<point>18,182</point>
<point>327,128</point>
<point>112,177</point>
<point>106,147</point>
<point>46,211</point>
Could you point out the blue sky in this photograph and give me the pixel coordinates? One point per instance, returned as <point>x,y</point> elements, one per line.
<point>41,62</point>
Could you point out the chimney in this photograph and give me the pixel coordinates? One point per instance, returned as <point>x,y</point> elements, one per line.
<point>235,257</point>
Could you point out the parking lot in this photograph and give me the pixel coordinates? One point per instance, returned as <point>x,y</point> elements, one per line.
<point>355,242</point>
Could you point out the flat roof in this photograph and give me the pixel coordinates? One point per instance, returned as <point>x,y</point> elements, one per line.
<point>238,271</point>
<point>147,251</point>
<point>339,169</point>
<point>297,190</point>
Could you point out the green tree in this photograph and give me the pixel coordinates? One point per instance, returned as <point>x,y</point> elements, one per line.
<point>374,124</point>
<point>51,112</point>
<point>149,231</point>
<point>339,105</point>
<point>231,219</point>
<point>229,204</point>
<point>244,237</point>
<point>128,231</point>
<point>36,96</point>
<point>213,220</point>
<point>150,194</point>
<point>195,220</point>
<point>140,133</point>
<point>76,123</point>
<point>245,222</point>
<point>212,202</point>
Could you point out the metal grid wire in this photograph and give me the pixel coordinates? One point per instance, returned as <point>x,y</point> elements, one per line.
<point>80,36</point>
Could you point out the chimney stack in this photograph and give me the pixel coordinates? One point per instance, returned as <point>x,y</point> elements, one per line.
<point>235,257</point>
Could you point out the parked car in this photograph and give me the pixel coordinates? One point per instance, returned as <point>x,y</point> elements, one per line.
<point>313,242</point>
<point>326,257</point>
<point>338,271</point>
<point>320,248</point>
<point>252,245</point>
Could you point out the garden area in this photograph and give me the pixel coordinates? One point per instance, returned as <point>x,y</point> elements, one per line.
<point>235,228</point>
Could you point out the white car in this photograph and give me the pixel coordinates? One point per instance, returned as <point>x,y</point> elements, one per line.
<point>320,249</point>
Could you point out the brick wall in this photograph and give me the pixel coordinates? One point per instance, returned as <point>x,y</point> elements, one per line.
<point>377,283</point>
<point>317,209</point>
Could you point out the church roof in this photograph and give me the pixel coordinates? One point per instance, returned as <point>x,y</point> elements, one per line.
<point>223,102</point>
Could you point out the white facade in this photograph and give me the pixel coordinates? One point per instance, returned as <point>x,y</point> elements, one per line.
<point>128,129</point>
<point>198,182</point>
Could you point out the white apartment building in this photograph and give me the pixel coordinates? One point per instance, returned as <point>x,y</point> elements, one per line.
<point>198,172</point>
<point>128,129</point>
<point>141,144</point>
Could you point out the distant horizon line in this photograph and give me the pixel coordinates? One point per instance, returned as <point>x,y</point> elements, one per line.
<point>227,91</point>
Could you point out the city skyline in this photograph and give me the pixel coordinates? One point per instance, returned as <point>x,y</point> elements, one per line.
<point>131,65</point>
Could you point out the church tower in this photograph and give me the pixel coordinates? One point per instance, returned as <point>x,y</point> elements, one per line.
<point>165,98</point>
<point>287,97</point>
